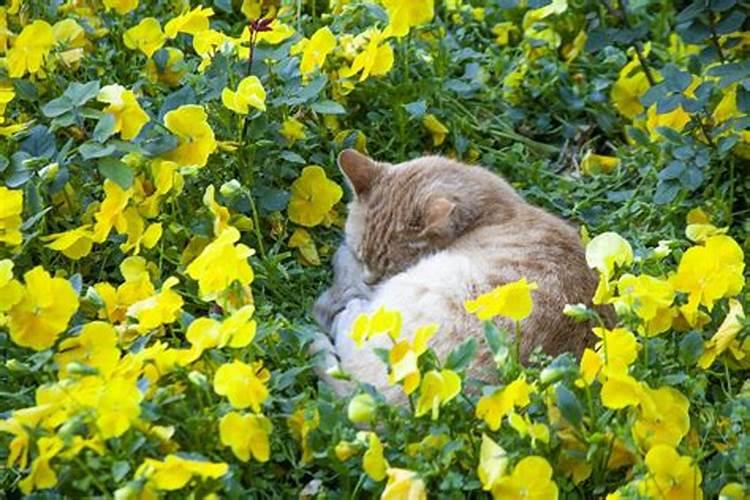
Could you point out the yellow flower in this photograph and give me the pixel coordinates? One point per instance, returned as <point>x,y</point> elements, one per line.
<point>220,264</point>
<point>723,339</point>
<point>118,406</point>
<point>124,108</point>
<point>95,346</point>
<point>494,407</point>
<point>698,233</point>
<point>709,272</point>
<point>620,389</point>
<point>11,291</point>
<point>110,213</point>
<point>627,91</point>
<point>301,423</point>
<point>315,50</point>
<point>11,208</point>
<point>293,130</point>
<point>675,119</point>
<point>138,233</point>
<point>278,33</point>
<point>663,417</point>
<point>196,140</point>
<point>220,213</point>
<point>598,164</point>
<point>373,461</point>
<point>30,49</point>
<point>72,38</point>
<point>672,477</point>
<point>732,491</point>
<point>74,244</point>
<point>375,60</point>
<point>122,7</point>
<point>172,71</point>
<point>502,32</point>
<point>44,311</point>
<point>247,435</point>
<point>303,242</point>
<point>591,365</point>
<point>192,22</point>
<point>531,478</point>
<point>617,347</point>
<point>361,409</point>
<point>160,309</point>
<point>313,196</point>
<point>146,36</point>
<point>649,298</point>
<point>250,92</point>
<point>403,485</point>
<point>402,16</point>
<point>403,358</point>
<point>175,472</point>
<point>438,387</point>
<point>243,384</point>
<point>493,462</point>
<point>525,427</point>
<point>512,300</point>
<point>604,253</point>
<point>438,130</point>
<point>42,476</point>
<point>236,331</point>
<point>382,321</point>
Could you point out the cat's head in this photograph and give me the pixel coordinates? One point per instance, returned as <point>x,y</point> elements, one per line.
<point>401,213</point>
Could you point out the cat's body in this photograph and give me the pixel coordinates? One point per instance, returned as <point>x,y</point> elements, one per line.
<point>432,233</point>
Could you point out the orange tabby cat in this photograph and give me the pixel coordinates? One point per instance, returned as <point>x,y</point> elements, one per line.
<point>426,235</point>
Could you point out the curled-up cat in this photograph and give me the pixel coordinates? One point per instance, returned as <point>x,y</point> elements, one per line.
<point>426,235</point>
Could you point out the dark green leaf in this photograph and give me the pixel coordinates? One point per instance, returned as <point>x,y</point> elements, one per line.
<point>460,357</point>
<point>57,107</point>
<point>733,22</point>
<point>691,348</point>
<point>570,408</point>
<point>117,171</point>
<point>328,108</point>
<point>104,128</point>
<point>92,150</point>
<point>416,109</point>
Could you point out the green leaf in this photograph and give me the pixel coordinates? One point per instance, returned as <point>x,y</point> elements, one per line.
<point>416,109</point>
<point>81,93</point>
<point>92,150</point>
<point>461,355</point>
<point>570,408</point>
<point>57,107</point>
<point>691,348</point>
<point>117,171</point>
<point>328,108</point>
<point>104,128</point>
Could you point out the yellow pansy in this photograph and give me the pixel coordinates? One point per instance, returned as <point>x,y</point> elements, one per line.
<point>313,197</point>
<point>598,164</point>
<point>315,50</point>
<point>110,213</point>
<point>591,365</point>
<point>530,478</point>
<point>220,213</point>
<point>671,476</point>
<point>525,427</point>
<point>123,106</point>
<point>293,130</point>
<point>117,407</point>
<point>72,38</point>
<point>243,384</point>
<point>42,476</point>
<point>403,358</point>
<point>502,32</point>
<point>192,22</point>
<point>247,435</point>
<point>382,321</point>
<point>402,16</point>
<point>493,462</point>
<point>250,93</point>
<point>122,7</point>
<point>7,94</point>
<point>403,485</point>
<point>436,389</point>
<point>628,89</point>
<point>44,311</point>
<point>676,119</point>
<point>663,417</point>
<point>732,491</point>
<point>438,130</point>
<point>11,291</point>
<point>512,300</point>
<point>375,60</point>
<point>145,36</point>
<point>361,409</point>
<point>74,244</point>
<point>723,340</point>
<point>618,346</point>
<point>95,346</point>
<point>11,208</point>
<point>709,272</point>
<point>30,49</point>
<point>175,472</point>
<point>620,390</point>
<point>604,253</point>
<point>301,423</point>
<point>195,137</point>
<point>160,309</point>
<point>303,242</point>
<point>236,331</point>
<point>373,461</point>
<point>649,298</point>
<point>279,32</point>
<point>221,263</point>
<point>494,407</point>
<point>172,71</point>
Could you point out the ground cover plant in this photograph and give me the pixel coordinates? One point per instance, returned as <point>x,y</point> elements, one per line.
<point>169,202</point>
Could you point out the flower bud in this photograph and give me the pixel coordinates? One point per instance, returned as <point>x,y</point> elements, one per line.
<point>361,409</point>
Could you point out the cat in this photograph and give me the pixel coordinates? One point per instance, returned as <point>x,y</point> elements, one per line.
<point>423,237</point>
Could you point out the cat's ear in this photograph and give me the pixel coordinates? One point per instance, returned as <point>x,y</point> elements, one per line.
<point>438,217</point>
<point>360,170</point>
